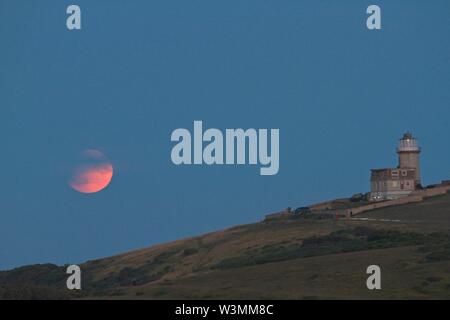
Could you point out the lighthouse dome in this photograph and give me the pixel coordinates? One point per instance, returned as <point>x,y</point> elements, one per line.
<point>408,144</point>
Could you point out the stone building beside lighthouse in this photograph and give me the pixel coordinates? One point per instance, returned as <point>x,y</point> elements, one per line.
<point>394,183</point>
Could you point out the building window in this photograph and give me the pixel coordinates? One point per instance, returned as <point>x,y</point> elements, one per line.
<point>404,173</point>
<point>395,173</point>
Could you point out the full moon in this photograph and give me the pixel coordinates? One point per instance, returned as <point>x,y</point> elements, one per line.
<point>91,173</point>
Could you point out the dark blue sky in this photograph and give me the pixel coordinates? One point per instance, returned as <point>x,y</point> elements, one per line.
<point>340,94</point>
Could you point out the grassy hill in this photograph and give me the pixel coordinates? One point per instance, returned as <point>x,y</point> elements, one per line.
<point>296,258</point>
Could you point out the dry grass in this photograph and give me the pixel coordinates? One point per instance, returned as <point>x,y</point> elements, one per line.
<point>190,268</point>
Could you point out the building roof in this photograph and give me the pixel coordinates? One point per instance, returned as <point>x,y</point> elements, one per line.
<point>388,174</point>
<point>392,169</point>
<point>383,169</point>
<point>407,136</point>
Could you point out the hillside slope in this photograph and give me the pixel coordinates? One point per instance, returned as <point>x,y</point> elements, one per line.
<point>299,258</point>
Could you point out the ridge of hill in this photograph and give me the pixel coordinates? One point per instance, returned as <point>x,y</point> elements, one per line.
<point>301,257</point>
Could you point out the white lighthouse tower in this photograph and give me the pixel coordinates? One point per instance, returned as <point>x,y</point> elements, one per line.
<point>408,155</point>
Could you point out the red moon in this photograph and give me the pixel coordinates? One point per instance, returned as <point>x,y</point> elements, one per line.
<point>92,173</point>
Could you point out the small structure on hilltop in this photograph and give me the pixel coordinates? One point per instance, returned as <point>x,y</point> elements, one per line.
<point>395,183</point>
<point>389,187</point>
